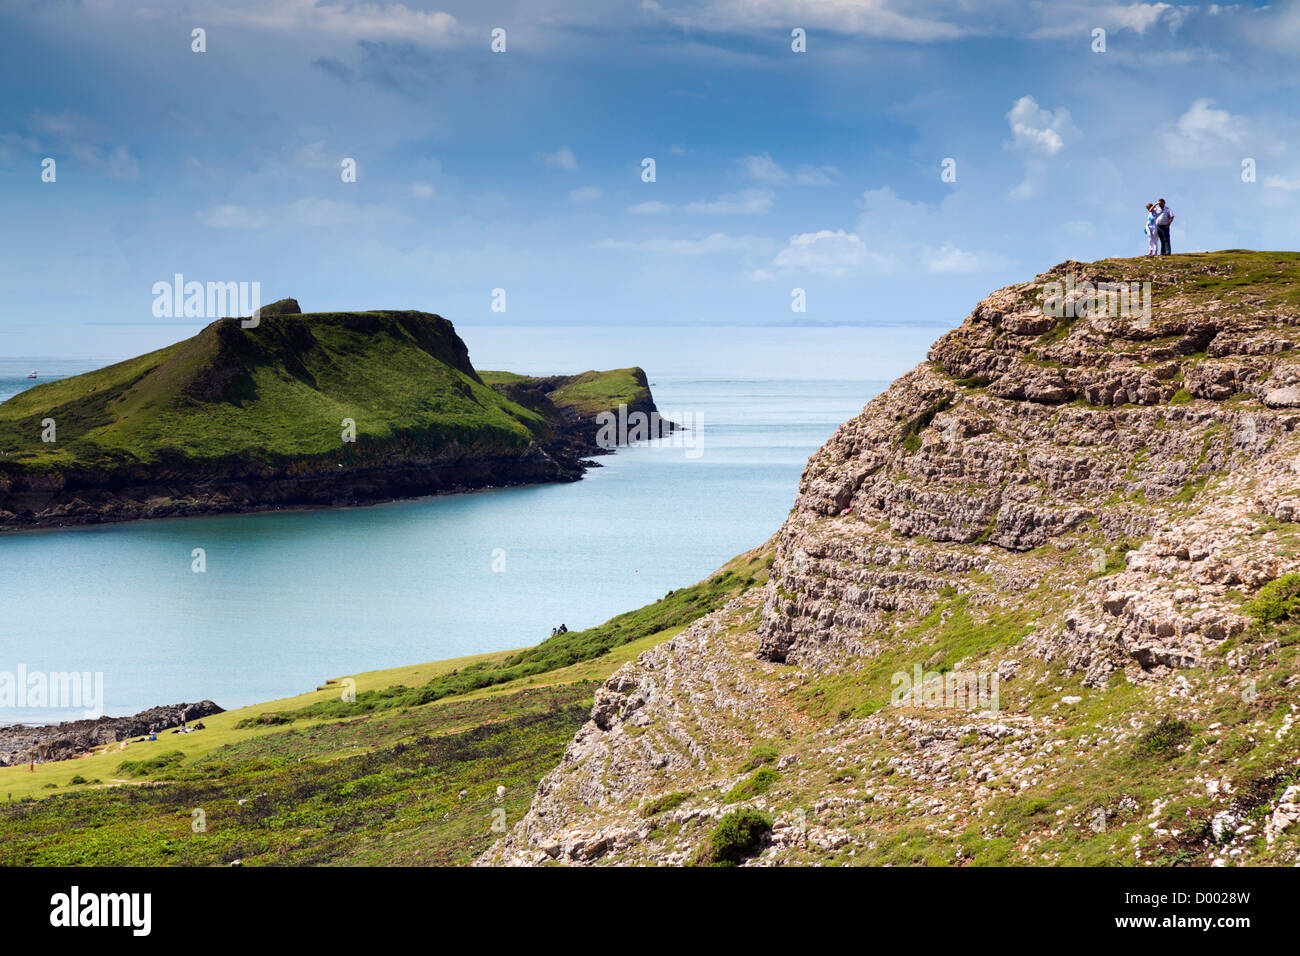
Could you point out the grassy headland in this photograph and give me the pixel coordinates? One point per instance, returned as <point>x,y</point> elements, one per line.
<point>301,410</point>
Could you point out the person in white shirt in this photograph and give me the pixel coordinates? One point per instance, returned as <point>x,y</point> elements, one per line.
<point>1164,219</point>
<point>1153,243</point>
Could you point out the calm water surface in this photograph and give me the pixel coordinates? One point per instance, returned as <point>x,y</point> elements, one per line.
<point>292,598</point>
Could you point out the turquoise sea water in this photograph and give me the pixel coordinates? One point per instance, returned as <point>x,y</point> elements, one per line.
<point>292,598</point>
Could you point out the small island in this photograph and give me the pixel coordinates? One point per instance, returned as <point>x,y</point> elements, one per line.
<point>300,410</point>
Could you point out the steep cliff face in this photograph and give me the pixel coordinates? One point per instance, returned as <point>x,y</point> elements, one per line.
<point>1166,436</point>
<point>1033,605</point>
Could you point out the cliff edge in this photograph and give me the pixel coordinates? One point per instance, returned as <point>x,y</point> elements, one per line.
<point>1037,604</point>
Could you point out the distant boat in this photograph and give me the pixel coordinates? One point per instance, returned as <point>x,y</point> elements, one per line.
<point>33,375</point>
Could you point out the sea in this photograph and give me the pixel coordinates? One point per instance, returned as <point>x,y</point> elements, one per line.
<point>288,599</point>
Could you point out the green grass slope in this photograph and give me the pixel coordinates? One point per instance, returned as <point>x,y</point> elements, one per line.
<point>274,394</point>
<point>405,775</point>
<point>586,393</point>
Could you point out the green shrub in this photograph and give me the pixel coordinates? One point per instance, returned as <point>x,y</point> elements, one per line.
<point>1276,600</point>
<point>1164,739</point>
<point>138,768</point>
<point>264,720</point>
<point>736,837</point>
<point>77,780</point>
<point>760,755</point>
<point>759,783</point>
<point>665,802</point>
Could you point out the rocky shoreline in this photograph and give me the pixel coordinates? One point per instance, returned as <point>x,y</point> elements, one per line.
<point>29,503</point>
<point>20,743</point>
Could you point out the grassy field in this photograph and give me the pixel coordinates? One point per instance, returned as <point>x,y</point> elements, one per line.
<point>377,780</point>
<point>588,392</point>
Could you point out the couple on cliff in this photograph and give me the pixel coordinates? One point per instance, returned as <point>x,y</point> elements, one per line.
<point>1159,218</point>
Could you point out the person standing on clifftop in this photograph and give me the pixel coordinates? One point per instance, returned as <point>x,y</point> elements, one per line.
<point>1153,241</point>
<point>1164,219</point>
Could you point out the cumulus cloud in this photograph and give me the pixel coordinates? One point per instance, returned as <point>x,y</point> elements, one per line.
<point>832,252</point>
<point>1204,125</point>
<point>562,158</point>
<point>948,258</point>
<point>1069,20</point>
<point>892,236</point>
<point>1038,131</point>
<point>762,168</point>
<point>1204,135</point>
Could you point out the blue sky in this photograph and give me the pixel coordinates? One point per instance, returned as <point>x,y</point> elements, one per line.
<point>522,170</point>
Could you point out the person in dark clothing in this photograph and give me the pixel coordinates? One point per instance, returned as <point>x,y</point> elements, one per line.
<point>1164,219</point>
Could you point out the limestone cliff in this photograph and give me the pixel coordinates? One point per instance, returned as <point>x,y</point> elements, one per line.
<point>1085,509</point>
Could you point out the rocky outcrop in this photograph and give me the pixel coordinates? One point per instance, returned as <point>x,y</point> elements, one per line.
<point>20,744</point>
<point>1078,433</point>
<point>95,497</point>
<point>1071,507</point>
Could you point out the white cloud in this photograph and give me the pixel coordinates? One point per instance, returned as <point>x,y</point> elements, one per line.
<point>1038,131</point>
<point>1069,20</point>
<point>1281,182</point>
<point>1139,17</point>
<point>233,217</point>
<point>309,212</point>
<point>761,168</point>
<point>747,202</point>
<point>586,193</point>
<point>715,243</point>
<point>948,258</point>
<point>873,18</point>
<point>76,136</point>
<point>892,236</point>
<point>1204,136</point>
<point>562,158</point>
<point>358,21</point>
<point>816,175</point>
<point>651,208</point>
<point>1204,125</point>
<point>829,252</point>
<point>423,190</point>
